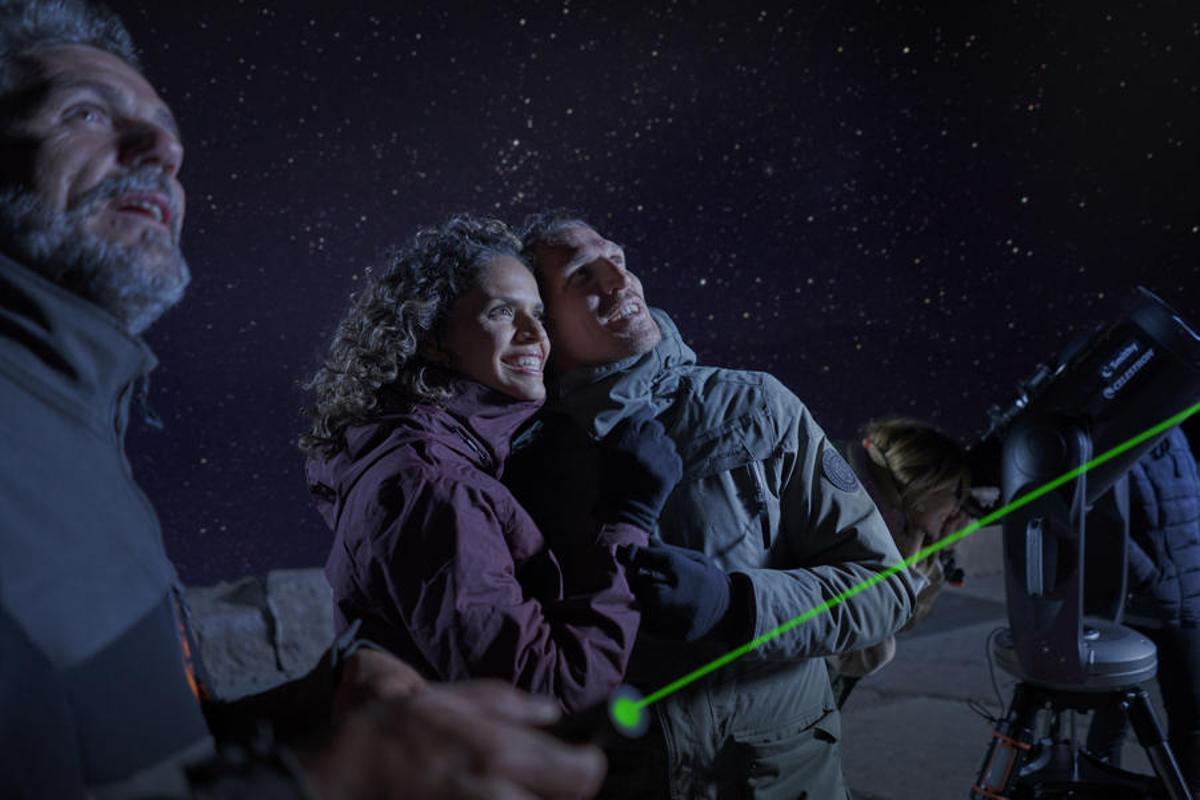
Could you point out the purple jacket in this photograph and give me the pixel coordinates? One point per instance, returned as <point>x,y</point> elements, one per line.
<point>446,570</point>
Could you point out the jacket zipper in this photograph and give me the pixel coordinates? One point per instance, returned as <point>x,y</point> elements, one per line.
<point>760,500</point>
<point>484,458</point>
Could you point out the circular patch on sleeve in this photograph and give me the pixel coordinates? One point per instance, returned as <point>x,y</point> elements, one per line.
<point>837,471</point>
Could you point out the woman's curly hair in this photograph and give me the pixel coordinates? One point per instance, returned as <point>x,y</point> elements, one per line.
<point>374,362</point>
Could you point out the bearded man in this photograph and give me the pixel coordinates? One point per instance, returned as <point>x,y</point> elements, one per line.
<point>98,694</point>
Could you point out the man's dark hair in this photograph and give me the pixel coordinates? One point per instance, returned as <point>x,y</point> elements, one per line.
<point>374,362</point>
<point>545,227</point>
<point>29,25</point>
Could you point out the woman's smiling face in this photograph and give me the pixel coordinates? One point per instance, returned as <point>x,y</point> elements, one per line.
<point>495,334</point>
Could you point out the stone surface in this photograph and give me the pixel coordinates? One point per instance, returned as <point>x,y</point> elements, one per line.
<point>257,632</point>
<point>301,604</point>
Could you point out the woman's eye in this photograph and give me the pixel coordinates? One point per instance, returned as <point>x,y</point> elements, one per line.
<point>500,312</point>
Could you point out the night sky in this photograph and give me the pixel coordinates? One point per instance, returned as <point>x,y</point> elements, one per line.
<point>893,208</point>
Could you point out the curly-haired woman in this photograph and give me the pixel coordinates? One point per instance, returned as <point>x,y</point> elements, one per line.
<point>437,363</point>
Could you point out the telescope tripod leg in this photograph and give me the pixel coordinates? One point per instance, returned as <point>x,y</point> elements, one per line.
<point>1137,706</point>
<point>1011,742</point>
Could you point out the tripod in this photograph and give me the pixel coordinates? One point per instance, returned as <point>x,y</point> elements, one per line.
<point>1023,765</point>
<point>1064,661</point>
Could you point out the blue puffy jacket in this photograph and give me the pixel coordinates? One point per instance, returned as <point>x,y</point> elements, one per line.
<point>1164,547</point>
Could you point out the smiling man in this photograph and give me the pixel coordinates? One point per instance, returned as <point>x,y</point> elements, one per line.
<point>92,200</point>
<point>600,313</point>
<point>99,696</point>
<point>767,523</point>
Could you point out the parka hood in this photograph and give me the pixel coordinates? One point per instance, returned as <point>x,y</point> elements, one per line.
<point>476,423</point>
<point>597,398</point>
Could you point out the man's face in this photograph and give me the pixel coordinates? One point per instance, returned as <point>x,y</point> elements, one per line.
<point>595,308</point>
<point>92,177</point>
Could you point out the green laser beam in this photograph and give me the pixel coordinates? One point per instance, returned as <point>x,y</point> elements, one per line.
<point>922,554</point>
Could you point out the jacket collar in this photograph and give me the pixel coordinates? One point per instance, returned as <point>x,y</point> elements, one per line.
<point>68,345</point>
<point>597,398</point>
<point>476,423</point>
<point>486,421</point>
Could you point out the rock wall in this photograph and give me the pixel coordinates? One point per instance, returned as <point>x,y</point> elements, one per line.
<point>257,632</point>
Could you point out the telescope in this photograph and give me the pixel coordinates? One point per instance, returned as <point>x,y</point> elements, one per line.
<point>1065,551</point>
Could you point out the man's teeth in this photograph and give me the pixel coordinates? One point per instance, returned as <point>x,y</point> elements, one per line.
<point>526,362</point>
<point>627,310</point>
<point>152,209</point>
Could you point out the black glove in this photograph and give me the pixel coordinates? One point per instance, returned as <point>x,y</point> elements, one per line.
<point>684,595</point>
<point>639,466</point>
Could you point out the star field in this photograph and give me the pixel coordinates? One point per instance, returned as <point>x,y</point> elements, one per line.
<point>894,209</point>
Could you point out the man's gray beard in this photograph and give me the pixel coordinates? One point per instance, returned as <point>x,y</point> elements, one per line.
<point>136,284</point>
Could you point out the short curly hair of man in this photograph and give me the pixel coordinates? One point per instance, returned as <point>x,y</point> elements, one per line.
<point>547,227</point>
<point>374,363</point>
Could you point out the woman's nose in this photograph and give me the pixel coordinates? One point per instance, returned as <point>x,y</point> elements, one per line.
<point>530,328</point>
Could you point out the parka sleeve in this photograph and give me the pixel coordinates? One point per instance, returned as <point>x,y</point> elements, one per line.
<point>836,565</point>
<point>448,567</point>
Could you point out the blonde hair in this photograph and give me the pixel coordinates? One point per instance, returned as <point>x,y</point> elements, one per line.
<point>920,459</point>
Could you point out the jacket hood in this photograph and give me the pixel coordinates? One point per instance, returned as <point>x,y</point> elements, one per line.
<point>477,423</point>
<point>597,398</point>
<point>76,349</point>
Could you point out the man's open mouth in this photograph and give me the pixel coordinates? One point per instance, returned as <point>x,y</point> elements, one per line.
<point>626,309</point>
<point>153,206</point>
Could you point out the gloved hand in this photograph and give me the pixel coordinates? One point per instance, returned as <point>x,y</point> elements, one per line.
<point>639,466</point>
<point>684,595</point>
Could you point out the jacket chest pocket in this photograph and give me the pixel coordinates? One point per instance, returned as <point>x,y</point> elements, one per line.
<point>722,513</point>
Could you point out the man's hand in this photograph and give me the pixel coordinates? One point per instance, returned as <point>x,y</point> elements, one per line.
<point>373,675</point>
<point>464,741</point>
<point>639,467</point>
<point>683,594</point>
